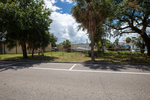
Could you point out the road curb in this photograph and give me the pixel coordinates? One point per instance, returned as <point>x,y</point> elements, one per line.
<point>75,62</point>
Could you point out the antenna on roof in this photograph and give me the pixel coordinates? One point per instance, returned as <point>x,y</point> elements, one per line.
<point>86,40</point>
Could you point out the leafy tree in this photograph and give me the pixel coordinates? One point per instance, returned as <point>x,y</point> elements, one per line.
<point>66,44</point>
<point>131,16</point>
<point>23,21</point>
<point>53,40</point>
<point>139,43</point>
<point>90,13</point>
<point>107,43</point>
<point>128,39</point>
<point>99,34</point>
<point>104,42</point>
<point>41,41</point>
<point>7,12</point>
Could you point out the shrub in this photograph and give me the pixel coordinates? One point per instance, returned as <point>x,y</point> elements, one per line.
<point>112,49</point>
<point>142,50</point>
<point>128,39</point>
<point>96,53</point>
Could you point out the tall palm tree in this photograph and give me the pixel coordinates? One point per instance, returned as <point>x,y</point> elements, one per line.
<point>90,13</point>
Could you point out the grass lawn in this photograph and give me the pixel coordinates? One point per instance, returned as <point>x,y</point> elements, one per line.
<point>7,56</point>
<point>109,56</point>
<point>124,57</point>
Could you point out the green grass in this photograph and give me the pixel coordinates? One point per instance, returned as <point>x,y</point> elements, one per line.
<point>126,57</point>
<point>109,56</point>
<point>6,56</point>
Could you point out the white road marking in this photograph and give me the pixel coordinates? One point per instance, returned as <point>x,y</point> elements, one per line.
<point>110,72</point>
<point>72,67</point>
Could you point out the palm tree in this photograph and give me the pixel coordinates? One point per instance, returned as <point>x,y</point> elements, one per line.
<point>90,13</point>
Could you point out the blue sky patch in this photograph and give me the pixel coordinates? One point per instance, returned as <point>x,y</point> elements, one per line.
<point>66,7</point>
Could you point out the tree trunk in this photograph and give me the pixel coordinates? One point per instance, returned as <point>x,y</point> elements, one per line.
<point>32,52</point>
<point>4,48</point>
<point>102,46</point>
<point>24,51</point>
<point>146,39</point>
<point>92,46</point>
<point>16,48</point>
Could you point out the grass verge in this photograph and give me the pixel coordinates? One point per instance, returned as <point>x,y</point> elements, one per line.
<point>109,56</point>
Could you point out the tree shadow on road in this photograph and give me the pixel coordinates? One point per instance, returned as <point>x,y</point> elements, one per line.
<point>118,66</point>
<point>20,63</point>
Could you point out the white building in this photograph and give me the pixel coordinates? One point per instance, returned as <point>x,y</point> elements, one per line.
<point>76,47</point>
<point>134,48</point>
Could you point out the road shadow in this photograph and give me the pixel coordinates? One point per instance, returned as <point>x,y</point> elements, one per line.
<point>20,63</point>
<point>117,66</point>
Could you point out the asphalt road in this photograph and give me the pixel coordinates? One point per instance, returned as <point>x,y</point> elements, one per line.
<point>74,81</point>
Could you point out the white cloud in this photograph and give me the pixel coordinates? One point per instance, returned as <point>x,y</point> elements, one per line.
<point>69,1</point>
<point>52,1</point>
<point>50,4</point>
<point>62,0</point>
<point>64,27</point>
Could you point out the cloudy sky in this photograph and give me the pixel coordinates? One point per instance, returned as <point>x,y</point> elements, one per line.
<point>64,25</point>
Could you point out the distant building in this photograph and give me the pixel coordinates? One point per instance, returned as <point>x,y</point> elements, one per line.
<point>133,47</point>
<point>79,46</point>
<point>18,49</point>
<point>84,45</point>
<point>123,43</point>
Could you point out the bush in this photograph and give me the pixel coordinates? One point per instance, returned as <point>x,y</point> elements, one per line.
<point>68,50</point>
<point>112,49</point>
<point>96,53</point>
<point>128,39</point>
<point>142,50</point>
